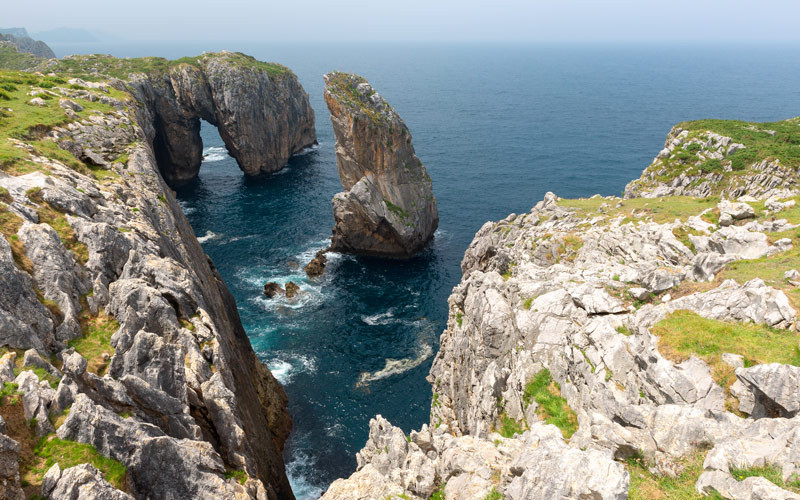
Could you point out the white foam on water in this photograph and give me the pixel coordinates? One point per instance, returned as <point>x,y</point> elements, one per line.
<point>307,150</point>
<point>397,366</point>
<point>187,209</point>
<point>302,488</point>
<point>208,236</point>
<point>284,368</point>
<point>379,319</point>
<point>214,154</point>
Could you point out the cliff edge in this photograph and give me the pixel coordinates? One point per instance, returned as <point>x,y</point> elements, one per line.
<point>124,356</point>
<point>388,208</point>
<point>618,348</point>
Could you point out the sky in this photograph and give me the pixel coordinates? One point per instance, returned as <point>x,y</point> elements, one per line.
<point>417,20</point>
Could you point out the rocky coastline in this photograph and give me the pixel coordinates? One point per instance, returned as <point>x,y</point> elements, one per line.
<point>121,339</point>
<point>619,348</point>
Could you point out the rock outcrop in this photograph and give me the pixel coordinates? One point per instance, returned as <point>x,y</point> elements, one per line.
<point>388,208</point>
<point>24,43</point>
<point>160,375</point>
<point>580,294</point>
<point>260,109</point>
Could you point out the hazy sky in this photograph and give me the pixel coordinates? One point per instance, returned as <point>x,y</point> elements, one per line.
<point>417,20</point>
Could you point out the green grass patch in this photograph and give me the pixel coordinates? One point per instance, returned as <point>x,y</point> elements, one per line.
<point>685,333</point>
<point>768,472</point>
<point>508,427</point>
<point>660,210</point>
<point>527,304</point>
<point>52,450</point>
<point>96,340</point>
<point>645,485</point>
<point>438,493</point>
<point>553,408</point>
<point>58,221</point>
<point>238,474</point>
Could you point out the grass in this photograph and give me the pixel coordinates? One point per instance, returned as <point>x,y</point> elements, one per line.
<point>11,58</point>
<point>238,474</point>
<point>685,333</point>
<point>768,472</point>
<point>527,304</point>
<point>645,485</point>
<point>438,493</point>
<point>494,495</point>
<point>96,340</point>
<point>9,391</point>
<point>9,225</point>
<point>660,210</point>
<point>344,86</point>
<point>396,210</point>
<point>89,66</point>
<point>553,408</point>
<point>509,427</point>
<point>52,450</point>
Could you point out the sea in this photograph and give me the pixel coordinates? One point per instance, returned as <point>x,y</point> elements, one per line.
<point>497,126</point>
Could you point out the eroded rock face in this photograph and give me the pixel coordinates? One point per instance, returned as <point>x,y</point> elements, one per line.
<point>388,208</point>
<point>261,111</point>
<point>179,396</point>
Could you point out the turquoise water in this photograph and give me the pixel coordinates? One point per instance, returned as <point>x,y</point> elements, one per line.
<point>497,127</point>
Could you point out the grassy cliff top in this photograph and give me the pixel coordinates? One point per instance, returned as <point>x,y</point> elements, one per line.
<point>99,66</point>
<point>728,152</point>
<point>356,94</point>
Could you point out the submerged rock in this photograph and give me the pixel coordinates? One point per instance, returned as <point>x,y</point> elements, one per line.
<point>292,289</point>
<point>388,208</point>
<point>317,265</point>
<point>272,289</point>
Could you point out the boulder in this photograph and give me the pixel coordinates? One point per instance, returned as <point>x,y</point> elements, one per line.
<point>292,289</point>
<point>317,265</point>
<point>82,482</point>
<point>272,289</point>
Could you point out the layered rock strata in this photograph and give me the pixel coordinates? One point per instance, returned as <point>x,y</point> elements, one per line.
<point>103,277</point>
<point>388,208</point>
<point>578,288</point>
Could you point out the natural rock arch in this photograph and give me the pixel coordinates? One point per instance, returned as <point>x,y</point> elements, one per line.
<point>261,111</point>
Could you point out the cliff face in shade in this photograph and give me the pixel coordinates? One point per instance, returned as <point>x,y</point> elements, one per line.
<point>260,109</point>
<point>388,208</point>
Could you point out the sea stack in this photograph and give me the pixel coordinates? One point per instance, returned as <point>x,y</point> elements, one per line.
<point>388,208</point>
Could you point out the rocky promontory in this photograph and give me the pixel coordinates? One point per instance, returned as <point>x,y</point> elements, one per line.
<point>616,348</point>
<point>388,208</point>
<point>126,371</point>
<point>260,109</point>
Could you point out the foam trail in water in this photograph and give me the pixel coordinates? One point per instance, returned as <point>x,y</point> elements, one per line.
<point>379,319</point>
<point>309,149</point>
<point>396,366</point>
<point>208,236</point>
<point>214,154</point>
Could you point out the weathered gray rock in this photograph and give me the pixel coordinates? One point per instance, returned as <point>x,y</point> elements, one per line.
<point>82,482</point>
<point>261,110</point>
<point>388,208</point>
<point>10,487</point>
<point>36,398</point>
<point>751,488</point>
<point>774,389</point>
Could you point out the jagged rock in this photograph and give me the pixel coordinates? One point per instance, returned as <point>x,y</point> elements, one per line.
<point>733,211</point>
<point>70,104</point>
<point>7,363</point>
<point>751,488</point>
<point>774,388</point>
<point>33,359</point>
<point>388,208</point>
<point>272,289</point>
<point>261,110</point>
<point>317,265</point>
<point>82,482</point>
<point>36,398</point>
<point>292,289</point>
<point>24,322</point>
<point>639,293</point>
<point>10,487</point>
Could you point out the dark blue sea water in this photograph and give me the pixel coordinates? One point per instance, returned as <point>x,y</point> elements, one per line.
<point>497,126</point>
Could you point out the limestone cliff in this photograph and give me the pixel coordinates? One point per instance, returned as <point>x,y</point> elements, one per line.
<point>388,208</point>
<point>655,335</point>
<point>722,157</point>
<point>134,344</point>
<point>24,43</point>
